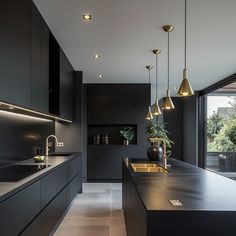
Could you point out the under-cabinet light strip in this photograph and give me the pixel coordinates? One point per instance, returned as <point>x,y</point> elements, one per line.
<point>12,107</point>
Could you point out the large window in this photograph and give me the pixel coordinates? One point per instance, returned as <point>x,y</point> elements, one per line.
<point>221,131</point>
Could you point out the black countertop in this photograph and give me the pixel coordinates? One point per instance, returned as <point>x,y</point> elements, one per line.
<point>7,189</point>
<point>197,189</point>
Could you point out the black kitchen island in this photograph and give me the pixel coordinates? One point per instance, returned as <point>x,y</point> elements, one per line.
<point>208,201</point>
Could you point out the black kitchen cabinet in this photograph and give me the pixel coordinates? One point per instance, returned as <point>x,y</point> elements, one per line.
<point>24,58</point>
<point>110,104</point>
<point>34,229</point>
<point>110,107</point>
<point>61,82</point>
<point>36,209</point>
<point>17,211</point>
<point>105,161</point>
<point>15,56</point>
<point>40,62</point>
<point>53,183</point>
<point>66,87</point>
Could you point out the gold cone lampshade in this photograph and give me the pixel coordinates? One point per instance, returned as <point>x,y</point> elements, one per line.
<point>149,114</point>
<point>156,109</point>
<point>168,104</point>
<point>185,88</point>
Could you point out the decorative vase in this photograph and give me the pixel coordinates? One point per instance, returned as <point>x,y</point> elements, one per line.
<point>126,142</point>
<point>155,152</point>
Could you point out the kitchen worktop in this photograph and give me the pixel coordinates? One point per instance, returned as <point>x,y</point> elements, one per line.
<point>8,189</point>
<point>197,189</point>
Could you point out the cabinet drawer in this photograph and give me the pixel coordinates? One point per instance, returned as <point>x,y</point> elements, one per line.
<point>54,183</point>
<point>17,211</point>
<point>75,167</point>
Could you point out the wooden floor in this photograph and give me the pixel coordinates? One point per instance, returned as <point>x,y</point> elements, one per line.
<point>96,212</point>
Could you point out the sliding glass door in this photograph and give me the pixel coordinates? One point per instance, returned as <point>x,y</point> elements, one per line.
<point>220,133</point>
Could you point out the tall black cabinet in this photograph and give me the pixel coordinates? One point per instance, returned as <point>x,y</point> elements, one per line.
<point>110,107</point>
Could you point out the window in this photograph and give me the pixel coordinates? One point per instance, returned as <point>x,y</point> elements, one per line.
<point>221,131</point>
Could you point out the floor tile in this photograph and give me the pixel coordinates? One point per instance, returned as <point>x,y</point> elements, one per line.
<point>98,211</point>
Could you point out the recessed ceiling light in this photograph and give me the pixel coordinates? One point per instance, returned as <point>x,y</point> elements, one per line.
<point>97,56</point>
<point>100,76</point>
<point>87,17</point>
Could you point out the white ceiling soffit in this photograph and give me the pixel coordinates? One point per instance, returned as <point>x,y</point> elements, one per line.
<point>124,32</point>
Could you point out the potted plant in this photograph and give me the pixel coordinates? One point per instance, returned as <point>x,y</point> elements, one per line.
<point>157,130</point>
<point>127,134</point>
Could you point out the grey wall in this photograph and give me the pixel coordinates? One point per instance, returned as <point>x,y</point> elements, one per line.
<point>20,135</point>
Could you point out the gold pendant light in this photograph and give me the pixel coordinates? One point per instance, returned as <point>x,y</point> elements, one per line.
<point>156,109</point>
<point>149,114</point>
<point>185,88</point>
<point>168,104</point>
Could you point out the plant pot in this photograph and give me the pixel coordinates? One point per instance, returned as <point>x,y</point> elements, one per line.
<point>126,142</point>
<point>155,153</point>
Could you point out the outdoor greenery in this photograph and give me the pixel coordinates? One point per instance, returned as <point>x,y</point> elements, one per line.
<point>127,133</point>
<point>221,131</point>
<point>157,130</point>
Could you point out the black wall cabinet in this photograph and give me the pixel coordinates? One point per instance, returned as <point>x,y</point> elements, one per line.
<point>26,78</point>
<point>40,62</point>
<point>61,82</point>
<point>15,48</point>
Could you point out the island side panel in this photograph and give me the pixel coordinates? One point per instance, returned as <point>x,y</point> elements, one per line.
<point>134,211</point>
<point>192,223</point>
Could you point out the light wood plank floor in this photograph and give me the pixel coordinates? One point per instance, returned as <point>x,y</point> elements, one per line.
<point>96,212</point>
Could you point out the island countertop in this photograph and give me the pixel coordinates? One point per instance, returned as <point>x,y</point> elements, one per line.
<point>197,189</point>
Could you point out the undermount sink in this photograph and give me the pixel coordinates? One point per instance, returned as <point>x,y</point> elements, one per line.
<point>60,154</point>
<point>148,167</point>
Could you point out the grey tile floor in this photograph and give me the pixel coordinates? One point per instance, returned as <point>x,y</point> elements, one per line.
<point>96,212</point>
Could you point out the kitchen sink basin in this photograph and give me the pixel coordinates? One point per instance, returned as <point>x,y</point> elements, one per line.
<point>148,167</point>
<point>60,154</point>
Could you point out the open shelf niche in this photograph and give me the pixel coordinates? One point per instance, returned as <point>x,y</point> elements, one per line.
<point>113,132</point>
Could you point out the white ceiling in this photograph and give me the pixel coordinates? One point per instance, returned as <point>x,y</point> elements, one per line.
<point>124,32</point>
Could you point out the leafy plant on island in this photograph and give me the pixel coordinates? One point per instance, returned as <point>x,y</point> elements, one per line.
<point>127,133</point>
<point>157,130</point>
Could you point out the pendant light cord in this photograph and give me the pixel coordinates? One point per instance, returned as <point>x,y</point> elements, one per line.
<point>185,36</point>
<point>168,81</point>
<point>156,75</point>
<point>149,76</point>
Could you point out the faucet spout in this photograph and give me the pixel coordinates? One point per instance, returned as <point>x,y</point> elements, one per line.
<point>50,136</point>
<point>164,157</point>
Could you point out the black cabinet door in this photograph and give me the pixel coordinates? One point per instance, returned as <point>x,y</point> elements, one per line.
<point>66,87</point>
<point>17,211</point>
<point>34,229</point>
<point>110,104</point>
<point>53,183</point>
<point>54,211</point>
<point>15,48</point>
<point>40,62</point>
<point>104,161</point>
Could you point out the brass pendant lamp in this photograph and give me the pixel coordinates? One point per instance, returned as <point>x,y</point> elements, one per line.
<point>168,104</point>
<point>185,88</point>
<point>156,110</point>
<point>149,115</point>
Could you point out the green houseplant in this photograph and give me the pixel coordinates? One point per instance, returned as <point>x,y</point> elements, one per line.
<point>157,130</point>
<point>127,134</point>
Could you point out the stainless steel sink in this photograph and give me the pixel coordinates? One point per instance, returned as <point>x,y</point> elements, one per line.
<point>148,167</point>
